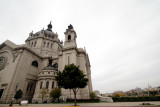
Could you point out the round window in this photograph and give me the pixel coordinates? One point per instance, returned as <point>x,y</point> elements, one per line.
<point>2,62</point>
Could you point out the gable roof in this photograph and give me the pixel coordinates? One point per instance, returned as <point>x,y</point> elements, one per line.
<point>17,47</point>
<point>9,44</point>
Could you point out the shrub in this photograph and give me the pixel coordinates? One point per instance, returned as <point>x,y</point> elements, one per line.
<point>84,100</point>
<point>92,95</point>
<point>133,99</point>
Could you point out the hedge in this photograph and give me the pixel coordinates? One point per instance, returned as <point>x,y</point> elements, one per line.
<point>134,99</point>
<point>83,100</point>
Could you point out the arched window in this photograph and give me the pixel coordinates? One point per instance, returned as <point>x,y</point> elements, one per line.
<point>32,44</point>
<point>44,44</point>
<point>35,63</point>
<point>35,44</point>
<point>55,65</point>
<point>51,46</point>
<point>48,45</point>
<point>1,93</point>
<point>52,84</point>
<point>69,37</point>
<point>28,87</point>
<point>31,87</point>
<point>47,84</point>
<point>41,85</point>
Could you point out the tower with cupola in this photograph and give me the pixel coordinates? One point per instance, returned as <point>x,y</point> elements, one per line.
<point>69,52</point>
<point>70,38</point>
<point>72,55</point>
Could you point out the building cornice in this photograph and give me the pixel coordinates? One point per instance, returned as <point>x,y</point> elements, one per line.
<point>60,44</point>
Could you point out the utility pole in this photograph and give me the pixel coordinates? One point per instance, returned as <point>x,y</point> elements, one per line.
<point>14,94</point>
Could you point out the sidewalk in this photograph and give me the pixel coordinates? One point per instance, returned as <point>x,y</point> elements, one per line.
<point>115,104</point>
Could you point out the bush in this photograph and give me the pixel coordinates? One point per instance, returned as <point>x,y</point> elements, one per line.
<point>84,100</point>
<point>92,95</point>
<point>134,99</point>
<point>18,94</point>
<point>55,94</point>
<point>44,101</point>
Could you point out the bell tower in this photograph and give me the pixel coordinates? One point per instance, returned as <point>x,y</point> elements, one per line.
<point>70,38</point>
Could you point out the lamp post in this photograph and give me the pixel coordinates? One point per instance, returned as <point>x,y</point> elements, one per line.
<point>14,94</point>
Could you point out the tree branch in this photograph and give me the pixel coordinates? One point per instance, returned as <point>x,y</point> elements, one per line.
<point>77,90</point>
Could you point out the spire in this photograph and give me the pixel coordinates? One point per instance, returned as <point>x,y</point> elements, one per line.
<point>49,27</point>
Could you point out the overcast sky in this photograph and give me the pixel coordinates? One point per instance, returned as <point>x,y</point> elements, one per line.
<point>122,37</point>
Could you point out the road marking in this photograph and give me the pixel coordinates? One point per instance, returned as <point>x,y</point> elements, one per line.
<point>42,106</point>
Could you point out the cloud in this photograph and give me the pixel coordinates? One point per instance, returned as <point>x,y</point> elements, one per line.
<point>120,36</point>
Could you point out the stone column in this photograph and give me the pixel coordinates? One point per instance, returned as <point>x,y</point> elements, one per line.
<point>50,85</point>
<point>44,84</point>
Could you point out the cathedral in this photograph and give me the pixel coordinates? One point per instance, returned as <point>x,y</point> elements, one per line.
<point>33,65</point>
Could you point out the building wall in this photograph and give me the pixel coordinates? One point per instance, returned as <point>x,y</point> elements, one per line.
<point>82,63</point>
<point>7,73</point>
<point>21,72</point>
<point>30,73</point>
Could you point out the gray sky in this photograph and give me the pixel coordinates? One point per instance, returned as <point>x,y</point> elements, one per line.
<point>122,37</point>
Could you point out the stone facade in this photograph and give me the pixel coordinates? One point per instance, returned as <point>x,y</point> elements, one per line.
<point>33,65</point>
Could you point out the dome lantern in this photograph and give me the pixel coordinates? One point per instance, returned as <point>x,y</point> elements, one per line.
<point>49,27</point>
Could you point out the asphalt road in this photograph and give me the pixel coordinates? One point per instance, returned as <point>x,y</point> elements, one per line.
<point>116,104</point>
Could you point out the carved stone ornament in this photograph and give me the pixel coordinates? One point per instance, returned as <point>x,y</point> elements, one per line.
<point>3,61</point>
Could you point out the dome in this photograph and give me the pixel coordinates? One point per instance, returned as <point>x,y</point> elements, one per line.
<point>49,68</point>
<point>46,33</point>
<point>43,33</point>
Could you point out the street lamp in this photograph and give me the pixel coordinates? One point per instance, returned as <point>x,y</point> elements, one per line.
<point>14,94</point>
